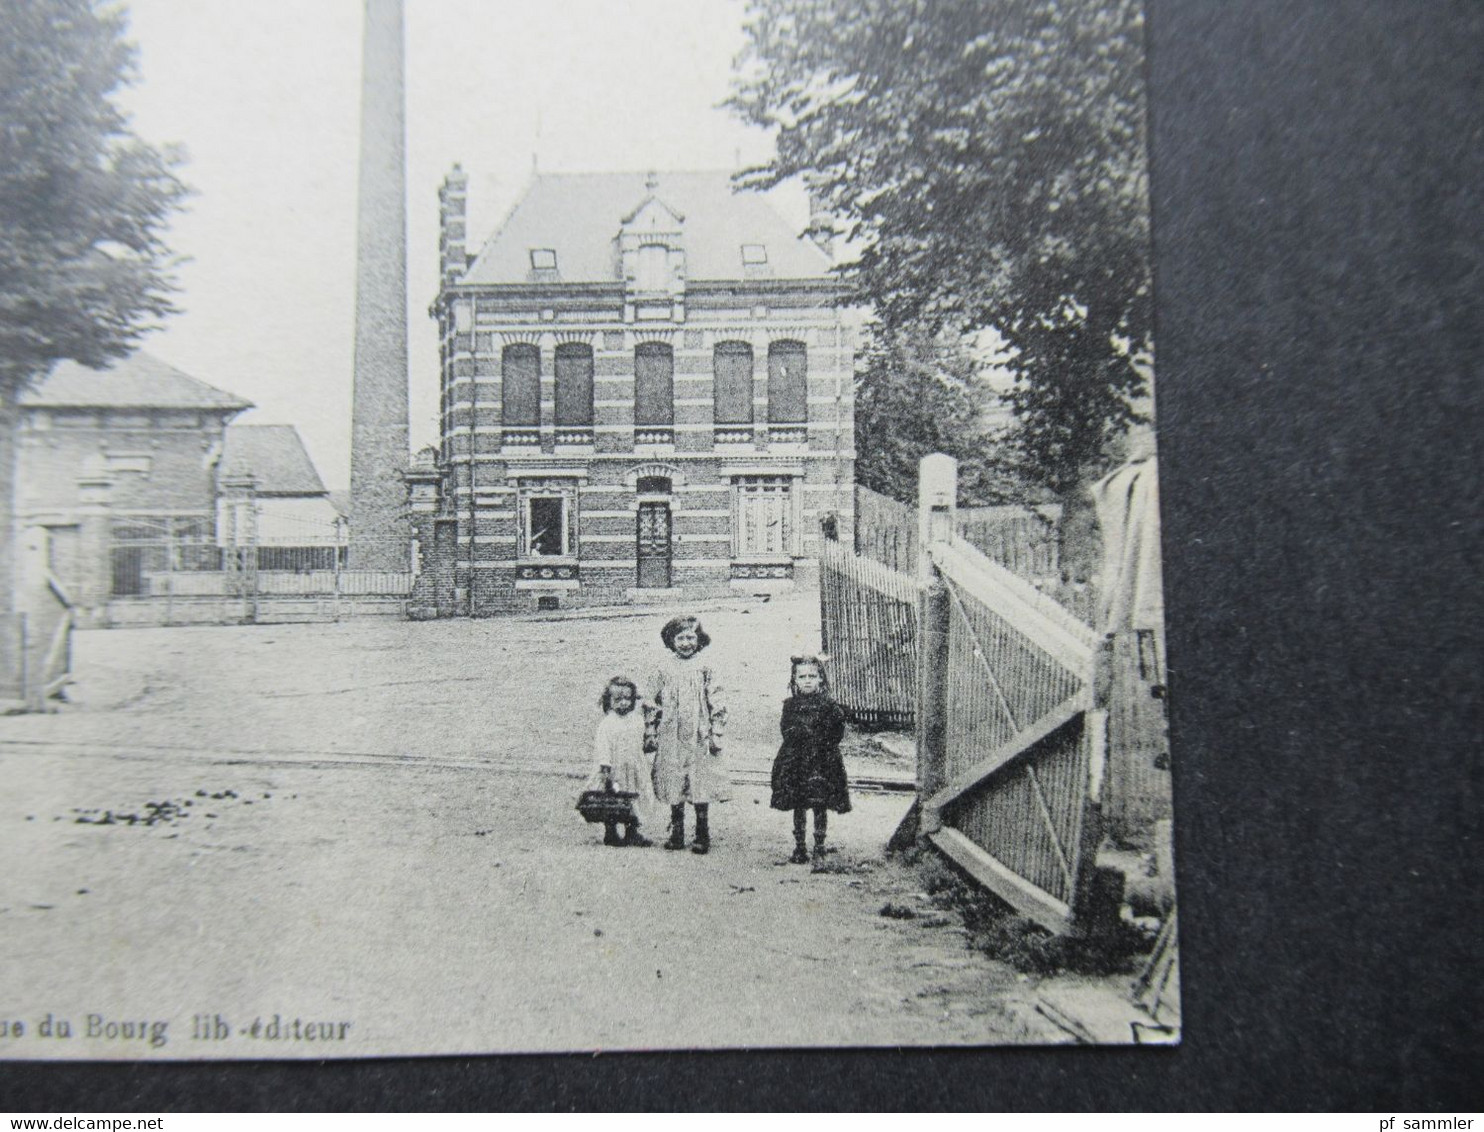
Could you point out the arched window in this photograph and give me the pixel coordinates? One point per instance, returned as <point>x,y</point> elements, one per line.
<point>520,374</point>
<point>732,370</point>
<point>788,383</point>
<point>574,385</point>
<point>654,384</point>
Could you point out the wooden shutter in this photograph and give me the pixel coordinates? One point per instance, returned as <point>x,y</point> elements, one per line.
<point>574,385</point>
<point>788,383</point>
<point>520,371</point>
<point>732,370</point>
<point>654,384</point>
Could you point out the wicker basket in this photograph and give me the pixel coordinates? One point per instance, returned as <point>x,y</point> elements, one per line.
<point>607,805</point>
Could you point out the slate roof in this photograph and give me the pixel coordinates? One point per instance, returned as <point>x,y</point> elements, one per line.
<point>137,382</point>
<point>579,214</point>
<point>276,457</point>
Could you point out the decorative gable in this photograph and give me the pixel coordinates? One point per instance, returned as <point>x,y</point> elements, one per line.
<point>651,255</point>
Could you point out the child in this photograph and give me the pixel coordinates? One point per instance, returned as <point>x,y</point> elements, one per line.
<point>809,772</point>
<point>620,762</point>
<point>688,766</point>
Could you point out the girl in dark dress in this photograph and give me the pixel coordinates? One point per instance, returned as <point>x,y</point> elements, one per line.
<point>809,773</point>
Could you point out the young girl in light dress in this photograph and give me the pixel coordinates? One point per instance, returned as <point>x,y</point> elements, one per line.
<point>689,765</point>
<point>620,762</point>
<point>809,773</point>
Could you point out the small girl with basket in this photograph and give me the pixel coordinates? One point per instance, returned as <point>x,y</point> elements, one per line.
<point>809,773</point>
<point>619,791</point>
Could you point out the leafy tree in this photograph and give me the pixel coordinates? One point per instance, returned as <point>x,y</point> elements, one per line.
<point>84,270</point>
<point>915,395</point>
<point>986,158</point>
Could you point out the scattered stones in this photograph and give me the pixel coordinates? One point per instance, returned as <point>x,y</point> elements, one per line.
<point>897,911</point>
<point>152,813</point>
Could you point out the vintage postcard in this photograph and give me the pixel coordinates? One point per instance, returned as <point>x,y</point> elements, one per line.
<point>566,526</point>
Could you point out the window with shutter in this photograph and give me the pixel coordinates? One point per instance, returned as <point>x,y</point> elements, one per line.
<point>654,385</point>
<point>520,375</point>
<point>763,517</point>
<point>574,385</point>
<point>732,372</point>
<point>788,383</point>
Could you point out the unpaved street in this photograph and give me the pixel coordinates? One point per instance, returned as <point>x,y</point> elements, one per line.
<point>371,823</point>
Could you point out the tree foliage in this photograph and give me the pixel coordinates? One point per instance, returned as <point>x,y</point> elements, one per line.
<point>84,270</point>
<point>986,159</point>
<point>916,394</point>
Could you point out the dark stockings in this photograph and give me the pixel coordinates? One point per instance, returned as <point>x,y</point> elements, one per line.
<point>677,828</point>
<point>703,829</point>
<point>630,836</point>
<point>801,822</point>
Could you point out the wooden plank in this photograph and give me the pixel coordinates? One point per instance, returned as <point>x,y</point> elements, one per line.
<point>59,589</point>
<point>1024,591</point>
<point>871,574</point>
<point>1021,741</point>
<point>1019,893</point>
<point>978,651</point>
<point>1050,824</point>
<point>1046,624</point>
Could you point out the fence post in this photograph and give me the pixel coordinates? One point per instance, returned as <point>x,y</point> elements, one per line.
<point>937,491</point>
<point>169,571</point>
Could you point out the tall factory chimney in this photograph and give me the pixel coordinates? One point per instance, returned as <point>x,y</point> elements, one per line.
<point>380,534</point>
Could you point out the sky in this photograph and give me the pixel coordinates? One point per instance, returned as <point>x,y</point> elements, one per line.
<point>265,99</point>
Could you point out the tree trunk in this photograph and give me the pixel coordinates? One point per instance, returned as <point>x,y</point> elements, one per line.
<point>12,664</point>
<point>9,422</point>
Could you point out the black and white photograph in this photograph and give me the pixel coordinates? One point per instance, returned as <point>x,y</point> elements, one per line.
<point>573,526</point>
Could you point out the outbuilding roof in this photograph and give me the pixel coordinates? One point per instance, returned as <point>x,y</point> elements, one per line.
<point>578,216</point>
<point>274,455</point>
<point>137,382</point>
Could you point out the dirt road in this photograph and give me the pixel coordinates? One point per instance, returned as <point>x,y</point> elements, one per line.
<point>359,839</point>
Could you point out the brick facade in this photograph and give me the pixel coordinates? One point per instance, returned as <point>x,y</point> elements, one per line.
<point>136,446</point>
<point>650,485</point>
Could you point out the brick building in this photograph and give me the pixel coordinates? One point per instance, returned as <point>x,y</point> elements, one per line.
<point>117,463</point>
<point>646,393</point>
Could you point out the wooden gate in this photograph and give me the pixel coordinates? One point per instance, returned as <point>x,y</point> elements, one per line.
<point>868,625</point>
<point>1013,751</point>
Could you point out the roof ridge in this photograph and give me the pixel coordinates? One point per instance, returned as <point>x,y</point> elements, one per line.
<point>139,366</point>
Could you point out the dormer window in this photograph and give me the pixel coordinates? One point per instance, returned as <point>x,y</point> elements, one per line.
<point>754,255</point>
<point>654,268</point>
<point>543,259</point>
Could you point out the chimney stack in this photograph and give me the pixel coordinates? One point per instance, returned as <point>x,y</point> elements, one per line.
<point>453,198</point>
<point>380,534</point>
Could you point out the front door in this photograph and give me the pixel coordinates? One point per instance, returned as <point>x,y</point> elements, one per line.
<point>654,545</point>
